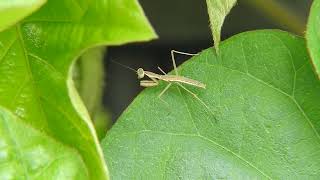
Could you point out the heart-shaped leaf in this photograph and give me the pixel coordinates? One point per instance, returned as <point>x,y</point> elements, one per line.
<point>12,11</point>
<point>35,60</point>
<point>262,120</point>
<point>313,35</point>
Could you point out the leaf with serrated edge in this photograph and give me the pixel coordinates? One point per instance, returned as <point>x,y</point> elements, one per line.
<point>262,122</point>
<point>35,60</point>
<point>313,35</point>
<point>12,11</point>
<point>218,10</point>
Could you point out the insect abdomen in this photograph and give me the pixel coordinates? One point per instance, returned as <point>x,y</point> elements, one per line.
<point>172,78</point>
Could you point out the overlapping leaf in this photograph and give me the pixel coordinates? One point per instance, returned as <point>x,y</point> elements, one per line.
<point>26,153</point>
<point>262,121</point>
<point>35,60</point>
<point>12,11</point>
<point>313,35</point>
<point>218,10</point>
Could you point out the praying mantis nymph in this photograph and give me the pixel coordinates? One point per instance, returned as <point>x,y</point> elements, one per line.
<point>177,79</point>
<point>168,78</point>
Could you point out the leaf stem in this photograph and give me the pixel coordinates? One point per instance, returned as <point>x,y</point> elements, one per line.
<point>280,14</point>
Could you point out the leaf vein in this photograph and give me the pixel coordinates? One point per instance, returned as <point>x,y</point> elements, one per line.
<point>189,112</point>
<point>206,139</point>
<point>279,90</point>
<point>7,50</point>
<point>19,36</point>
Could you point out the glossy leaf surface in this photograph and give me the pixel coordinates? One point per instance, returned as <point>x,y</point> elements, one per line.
<point>262,121</point>
<point>12,11</point>
<point>35,60</point>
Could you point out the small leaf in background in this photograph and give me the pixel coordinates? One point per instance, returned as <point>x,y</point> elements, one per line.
<point>102,122</point>
<point>12,11</point>
<point>36,57</point>
<point>313,35</point>
<point>265,100</point>
<point>90,80</point>
<point>89,77</point>
<point>218,10</point>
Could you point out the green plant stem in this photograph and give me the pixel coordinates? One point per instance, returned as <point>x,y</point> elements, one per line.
<point>280,14</point>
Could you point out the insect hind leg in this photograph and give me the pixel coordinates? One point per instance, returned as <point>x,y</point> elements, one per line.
<point>184,53</point>
<point>195,96</point>
<point>174,61</point>
<point>163,91</point>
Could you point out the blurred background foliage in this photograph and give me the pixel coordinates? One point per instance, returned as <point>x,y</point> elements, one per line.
<point>181,25</point>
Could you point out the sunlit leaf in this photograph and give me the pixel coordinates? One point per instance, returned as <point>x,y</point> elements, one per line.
<point>313,35</point>
<point>12,11</point>
<point>35,68</point>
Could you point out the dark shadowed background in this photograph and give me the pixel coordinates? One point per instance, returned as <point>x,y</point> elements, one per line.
<point>183,25</point>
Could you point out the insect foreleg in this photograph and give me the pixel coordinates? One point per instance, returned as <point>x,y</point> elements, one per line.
<point>149,83</point>
<point>162,71</point>
<point>174,61</point>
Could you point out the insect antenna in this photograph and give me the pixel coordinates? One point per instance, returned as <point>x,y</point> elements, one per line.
<point>127,67</point>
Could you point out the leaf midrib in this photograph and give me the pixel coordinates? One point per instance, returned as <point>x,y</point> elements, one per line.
<point>189,112</point>
<point>37,95</point>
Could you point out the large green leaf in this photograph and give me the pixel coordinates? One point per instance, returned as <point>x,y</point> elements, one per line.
<point>35,60</point>
<point>262,122</point>
<point>313,35</point>
<point>12,11</point>
<point>26,153</point>
<point>218,10</point>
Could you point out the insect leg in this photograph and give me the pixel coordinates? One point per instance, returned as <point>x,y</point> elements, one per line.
<point>174,61</point>
<point>162,71</point>
<point>184,53</point>
<point>149,83</point>
<point>195,96</point>
<point>164,90</point>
